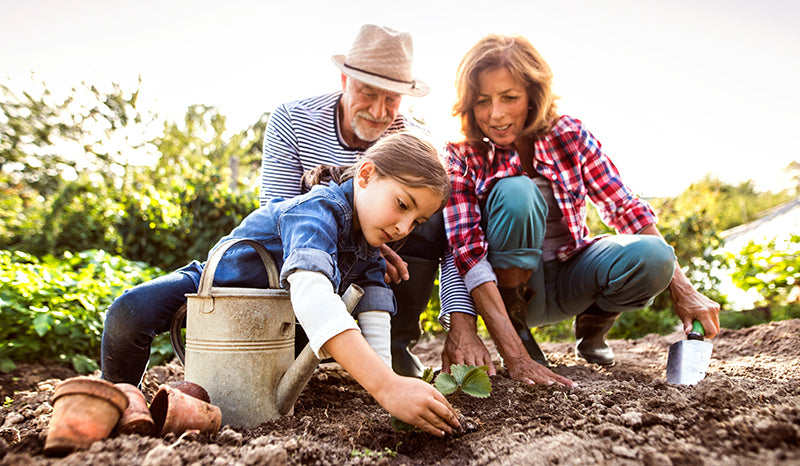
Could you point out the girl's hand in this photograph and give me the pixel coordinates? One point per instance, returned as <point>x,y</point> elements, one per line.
<point>408,399</point>
<point>419,404</point>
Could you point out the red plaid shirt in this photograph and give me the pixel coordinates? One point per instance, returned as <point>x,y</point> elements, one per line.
<point>571,158</point>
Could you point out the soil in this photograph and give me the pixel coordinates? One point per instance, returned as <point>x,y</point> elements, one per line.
<point>746,411</point>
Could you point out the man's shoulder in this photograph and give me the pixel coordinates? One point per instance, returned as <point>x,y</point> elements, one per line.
<point>315,104</point>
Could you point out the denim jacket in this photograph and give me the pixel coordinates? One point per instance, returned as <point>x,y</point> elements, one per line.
<point>314,232</point>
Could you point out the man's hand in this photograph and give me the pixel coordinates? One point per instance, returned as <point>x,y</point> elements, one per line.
<point>463,346</point>
<point>396,268</point>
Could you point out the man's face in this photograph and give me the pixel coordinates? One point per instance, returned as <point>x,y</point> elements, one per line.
<point>367,111</point>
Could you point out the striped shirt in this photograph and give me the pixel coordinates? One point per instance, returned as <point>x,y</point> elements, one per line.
<point>571,159</point>
<point>301,135</point>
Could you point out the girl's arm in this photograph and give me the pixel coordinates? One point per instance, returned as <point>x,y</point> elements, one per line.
<point>408,399</point>
<point>332,331</point>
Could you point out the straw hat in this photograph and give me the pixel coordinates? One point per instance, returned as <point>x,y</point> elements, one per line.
<point>382,57</point>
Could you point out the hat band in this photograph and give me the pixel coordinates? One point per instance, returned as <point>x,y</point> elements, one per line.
<point>412,83</point>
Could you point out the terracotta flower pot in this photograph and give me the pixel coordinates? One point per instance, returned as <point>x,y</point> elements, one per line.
<point>136,419</point>
<point>193,389</point>
<point>84,410</point>
<point>176,412</point>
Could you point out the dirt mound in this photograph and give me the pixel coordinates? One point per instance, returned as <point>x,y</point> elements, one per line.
<point>747,410</point>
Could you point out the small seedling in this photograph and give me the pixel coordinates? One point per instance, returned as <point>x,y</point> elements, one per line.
<point>472,380</point>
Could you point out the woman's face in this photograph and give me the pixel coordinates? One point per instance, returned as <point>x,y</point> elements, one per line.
<point>502,106</point>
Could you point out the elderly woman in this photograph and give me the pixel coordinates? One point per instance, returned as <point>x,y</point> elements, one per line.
<point>516,222</point>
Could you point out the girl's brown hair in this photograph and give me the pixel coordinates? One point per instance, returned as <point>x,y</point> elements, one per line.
<point>404,157</point>
<point>517,55</point>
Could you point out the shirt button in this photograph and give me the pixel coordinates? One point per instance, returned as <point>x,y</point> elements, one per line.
<point>555,177</point>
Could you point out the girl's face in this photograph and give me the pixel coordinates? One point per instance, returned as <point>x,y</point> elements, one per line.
<point>387,210</point>
<point>502,106</point>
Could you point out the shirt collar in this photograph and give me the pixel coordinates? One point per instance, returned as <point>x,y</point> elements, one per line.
<point>539,153</point>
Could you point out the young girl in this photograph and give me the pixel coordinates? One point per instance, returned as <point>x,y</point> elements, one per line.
<point>321,241</point>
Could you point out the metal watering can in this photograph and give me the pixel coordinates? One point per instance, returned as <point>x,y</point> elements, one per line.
<point>240,344</point>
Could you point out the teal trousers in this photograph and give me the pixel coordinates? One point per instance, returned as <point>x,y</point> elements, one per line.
<point>616,273</point>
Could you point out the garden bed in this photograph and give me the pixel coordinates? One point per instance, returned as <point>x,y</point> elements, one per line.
<point>746,411</point>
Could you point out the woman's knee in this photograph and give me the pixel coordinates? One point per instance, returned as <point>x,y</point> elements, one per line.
<point>518,197</point>
<point>659,258</point>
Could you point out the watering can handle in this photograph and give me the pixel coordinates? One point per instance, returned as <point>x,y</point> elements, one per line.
<point>207,281</point>
<point>207,278</point>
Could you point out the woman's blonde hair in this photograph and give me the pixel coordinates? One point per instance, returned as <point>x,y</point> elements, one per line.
<point>517,55</point>
<point>403,157</point>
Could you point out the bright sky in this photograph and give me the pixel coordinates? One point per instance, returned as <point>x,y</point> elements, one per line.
<point>674,89</point>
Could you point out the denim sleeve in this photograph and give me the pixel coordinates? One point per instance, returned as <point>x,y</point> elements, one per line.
<point>309,232</point>
<point>376,298</point>
<point>312,260</point>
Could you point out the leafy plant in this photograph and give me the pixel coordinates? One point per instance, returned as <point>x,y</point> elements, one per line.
<point>53,308</point>
<point>472,380</point>
<point>772,269</point>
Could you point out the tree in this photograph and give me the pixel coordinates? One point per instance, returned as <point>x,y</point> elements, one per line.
<point>46,141</point>
<point>203,144</point>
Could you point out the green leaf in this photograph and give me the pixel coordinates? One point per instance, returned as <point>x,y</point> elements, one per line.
<point>427,375</point>
<point>459,371</point>
<point>446,383</point>
<point>84,365</point>
<point>6,365</point>
<point>476,383</point>
<point>42,324</point>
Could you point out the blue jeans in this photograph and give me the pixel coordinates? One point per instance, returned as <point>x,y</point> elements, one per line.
<point>135,318</point>
<point>616,273</point>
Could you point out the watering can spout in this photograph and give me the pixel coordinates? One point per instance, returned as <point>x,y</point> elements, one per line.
<point>301,370</point>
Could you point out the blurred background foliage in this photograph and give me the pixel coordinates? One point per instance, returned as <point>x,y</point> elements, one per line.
<point>97,195</point>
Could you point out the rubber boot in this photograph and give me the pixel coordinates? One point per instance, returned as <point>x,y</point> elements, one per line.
<point>591,328</point>
<point>516,300</point>
<point>412,298</point>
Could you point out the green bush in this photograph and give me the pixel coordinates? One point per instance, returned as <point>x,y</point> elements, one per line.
<point>53,308</point>
<point>772,269</point>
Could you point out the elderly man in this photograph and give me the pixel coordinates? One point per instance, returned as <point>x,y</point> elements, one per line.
<point>335,129</point>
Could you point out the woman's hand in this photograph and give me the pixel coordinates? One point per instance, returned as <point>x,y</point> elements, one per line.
<point>515,357</point>
<point>526,370</point>
<point>691,305</point>
<point>396,267</point>
<point>419,404</point>
<point>463,346</point>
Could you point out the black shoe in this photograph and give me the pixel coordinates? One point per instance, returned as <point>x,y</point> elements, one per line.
<point>516,300</point>
<point>412,298</point>
<point>404,362</point>
<point>591,328</point>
